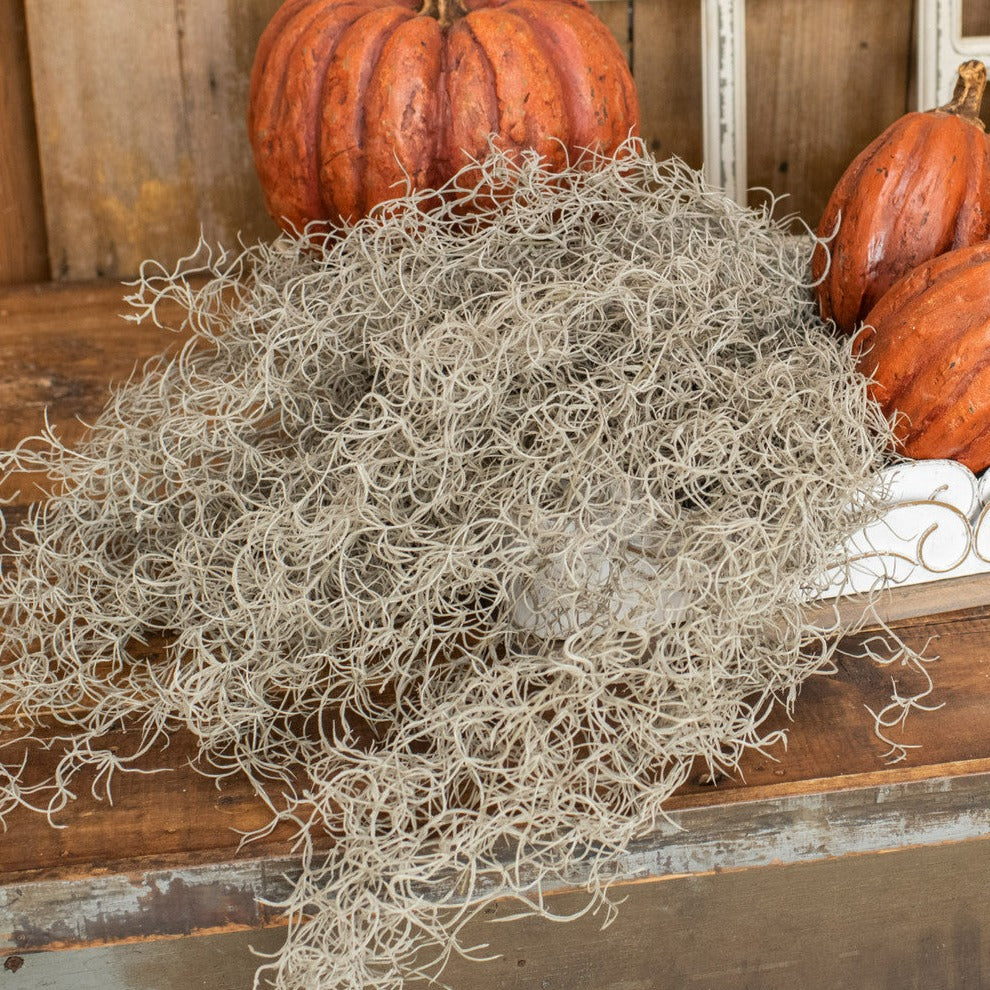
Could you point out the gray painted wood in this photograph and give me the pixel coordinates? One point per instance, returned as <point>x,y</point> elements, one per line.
<point>916,919</point>
<point>785,829</point>
<point>216,962</point>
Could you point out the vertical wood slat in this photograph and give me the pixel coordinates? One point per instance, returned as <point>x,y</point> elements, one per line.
<point>823,80</point>
<point>667,68</point>
<point>141,108</point>
<point>975,18</point>
<point>23,251</point>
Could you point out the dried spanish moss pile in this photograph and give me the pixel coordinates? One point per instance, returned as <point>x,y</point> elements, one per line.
<point>468,540</point>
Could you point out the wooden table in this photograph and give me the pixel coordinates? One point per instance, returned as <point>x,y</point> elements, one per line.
<point>820,866</point>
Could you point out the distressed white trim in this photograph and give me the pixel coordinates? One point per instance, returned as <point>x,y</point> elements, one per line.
<point>937,526</point>
<point>941,48</point>
<point>723,88</point>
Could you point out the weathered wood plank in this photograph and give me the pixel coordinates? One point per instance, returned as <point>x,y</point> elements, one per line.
<point>823,80</point>
<point>831,741</point>
<point>141,118</point>
<point>902,604</point>
<point>218,961</point>
<point>976,18</point>
<point>23,249</point>
<point>914,919</point>
<point>179,816</point>
<point>910,920</point>
<point>667,67</point>
<point>134,170</point>
<point>143,903</point>
<point>61,347</point>
<point>175,816</point>
<point>184,898</point>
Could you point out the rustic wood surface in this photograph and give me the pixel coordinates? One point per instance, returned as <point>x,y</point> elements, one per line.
<point>166,852</point>
<point>23,245</point>
<point>140,113</point>
<point>61,349</point>
<point>823,80</point>
<point>909,920</point>
<point>179,817</point>
<point>976,18</point>
<point>666,64</point>
<point>914,919</point>
<point>141,110</point>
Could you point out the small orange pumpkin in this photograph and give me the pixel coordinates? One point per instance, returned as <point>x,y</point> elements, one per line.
<point>926,348</point>
<point>353,101</point>
<point>921,188</point>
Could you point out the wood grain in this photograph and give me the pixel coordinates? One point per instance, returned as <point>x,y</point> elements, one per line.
<point>911,920</point>
<point>61,350</point>
<point>831,740</point>
<point>831,747</point>
<point>823,80</point>
<point>900,605</point>
<point>916,919</point>
<point>23,247</point>
<point>667,69</point>
<point>155,820</point>
<point>829,792</point>
<point>976,18</point>
<point>141,118</point>
<point>141,107</point>
<point>149,897</point>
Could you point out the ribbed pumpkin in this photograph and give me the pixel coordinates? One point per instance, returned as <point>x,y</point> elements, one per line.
<point>920,189</point>
<point>926,345</point>
<point>350,100</point>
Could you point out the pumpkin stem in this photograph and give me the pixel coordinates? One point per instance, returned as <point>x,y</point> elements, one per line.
<point>967,97</point>
<point>445,11</point>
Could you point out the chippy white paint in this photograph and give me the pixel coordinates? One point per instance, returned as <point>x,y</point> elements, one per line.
<point>33,914</point>
<point>723,89</point>
<point>796,828</point>
<point>937,525</point>
<point>805,828</point>
<point>941,48</point>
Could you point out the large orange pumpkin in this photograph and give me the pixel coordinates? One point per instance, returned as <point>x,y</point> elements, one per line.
<point>353,101</point>
<point>921,188</point>
<point>926,346</point>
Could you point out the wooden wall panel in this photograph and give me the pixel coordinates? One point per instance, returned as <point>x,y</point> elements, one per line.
<point>667,67</point>
<point>23,251</point>
<point>823,80</point>
<point>975,18</point>
<point>141,110</point>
